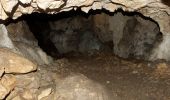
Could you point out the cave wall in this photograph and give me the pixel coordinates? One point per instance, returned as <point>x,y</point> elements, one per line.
<point>131,34</point>
<point>65,35</point>
<point>158,10</point>
<point>18,37</point>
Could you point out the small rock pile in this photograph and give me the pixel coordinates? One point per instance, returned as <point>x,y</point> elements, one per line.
<point>21,79</point>
<point>12,64</point>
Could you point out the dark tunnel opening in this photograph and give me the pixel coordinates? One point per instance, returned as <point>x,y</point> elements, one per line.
<point>126,34</point>
<point>95,53</point>
<point>39,25</point>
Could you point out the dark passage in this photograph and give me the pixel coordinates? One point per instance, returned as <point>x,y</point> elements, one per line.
<point>108,48</point>
<point>128,35</point>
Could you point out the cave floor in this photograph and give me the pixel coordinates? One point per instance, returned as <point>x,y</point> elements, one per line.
<point>126,79</point>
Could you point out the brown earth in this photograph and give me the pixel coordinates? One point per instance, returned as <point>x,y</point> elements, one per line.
<point>126,79</point>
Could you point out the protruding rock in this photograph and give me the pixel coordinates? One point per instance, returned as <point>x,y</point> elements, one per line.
<point>79,87</point>
<point>2,70</point>
<point>3,15</point>
<point>31,81</point>
<point>7,83</point>
<point>28,95</point>
<point>8,5</point>
<point>3,92</point>
<point>25,42</point>
<point>49,4</point>
<point>25,1</point>
<point>14,63</point>
<point>17,98</point>
<point>5,41</point>
<point>44,93</point>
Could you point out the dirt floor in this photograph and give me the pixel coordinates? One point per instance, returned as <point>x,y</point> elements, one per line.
<point>127,79</point>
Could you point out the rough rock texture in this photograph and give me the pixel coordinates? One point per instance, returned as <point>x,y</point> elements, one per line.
<point>19,82</point>
<point>79,87</point>
<point>65,35</point>
<point>158,10</point>
<point>5,41</point>
<point>72,41</point>
<point>130,34</point>
<point>22,80</point>
<point>14,63</point>
<point>20,32</point>
<point>7,83</point>
<point>48,85</point>
<point>137,39</point>
<point>24,42</point>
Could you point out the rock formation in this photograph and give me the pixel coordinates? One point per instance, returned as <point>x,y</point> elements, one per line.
<point>12,63</point>
<point>22,72</point>
<point>155,9</point>
<point>158,10</point>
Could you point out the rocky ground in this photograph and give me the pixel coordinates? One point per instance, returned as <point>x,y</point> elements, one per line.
<point>28,73</point>
<point>126,79</point>
<point>101,76</point>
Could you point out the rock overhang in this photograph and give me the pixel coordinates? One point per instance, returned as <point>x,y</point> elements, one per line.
<point>158,10</point>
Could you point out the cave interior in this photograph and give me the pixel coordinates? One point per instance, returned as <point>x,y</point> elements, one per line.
<point>112,49</point>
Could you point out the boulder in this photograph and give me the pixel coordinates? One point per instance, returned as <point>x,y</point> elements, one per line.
<point>15,63</point>
<point>7,84</point>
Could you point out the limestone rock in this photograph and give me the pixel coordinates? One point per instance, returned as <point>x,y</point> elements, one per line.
<point>22,94</point>
<point>17,98</point>
<point>162,51</point>
<point>85,42</point>
<point>49,4</point>
<point>25,1</point>
<point>26,44</point>
<point>33,53</point>
<point>2,70</point>
<point>29,81</point>
<point>14,63</point>
<point>5,41</point>
<point>103,25</point>
<point>44,93</point>
<point>79,87</point>
<point>7,83</point>
<point>3,15</point>
<point>152,8</point>
<point>20,32</point>
<point>3,91</point>
<point>89,43</point>
<point>158,10</point>
<point>28,95</point>
<point>8,5</point>
<point>138,38</point>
